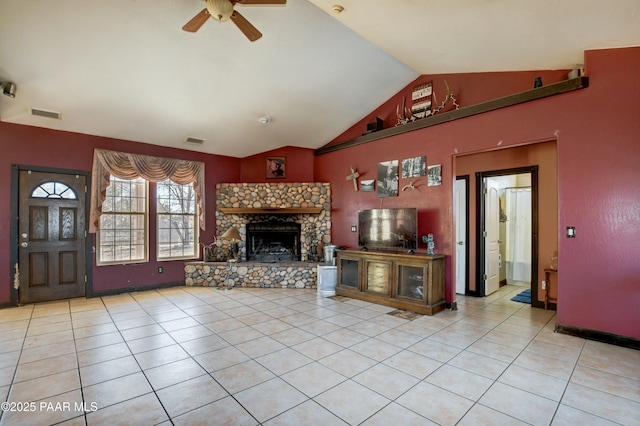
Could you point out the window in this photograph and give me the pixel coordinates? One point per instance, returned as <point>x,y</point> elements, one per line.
<point>122,237</point>
<point>177,219</point>
<point>54,190</point>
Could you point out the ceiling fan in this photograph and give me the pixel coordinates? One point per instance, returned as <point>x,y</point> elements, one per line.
<point>223,10</point>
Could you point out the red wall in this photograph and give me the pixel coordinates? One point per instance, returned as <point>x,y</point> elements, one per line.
<point>63,150</point>
<point>598,143</point>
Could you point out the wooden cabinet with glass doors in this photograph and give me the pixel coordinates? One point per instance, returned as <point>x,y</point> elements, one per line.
<point>413,282</point>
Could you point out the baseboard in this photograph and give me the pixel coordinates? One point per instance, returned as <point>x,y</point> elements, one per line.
<point>600,336</point>
<point>4,305</point>
<point>115,291</point>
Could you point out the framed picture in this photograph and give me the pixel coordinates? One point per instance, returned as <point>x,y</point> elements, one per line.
<point>434,175</point>
<point>367,185</point>
<point>388,179</point>
<point>276,167</point>
<point>414,167</point>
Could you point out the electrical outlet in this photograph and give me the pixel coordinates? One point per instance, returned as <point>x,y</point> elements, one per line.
<point>353,228</point>
<point>160,269</point>
<point>544,285</point>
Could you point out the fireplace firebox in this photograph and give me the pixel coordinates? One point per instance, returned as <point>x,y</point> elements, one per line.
<point>273,241</point>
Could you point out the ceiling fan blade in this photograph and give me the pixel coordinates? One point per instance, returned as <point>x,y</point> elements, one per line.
<point>197,21</point>
<point>245,26</point>
<point>261,2</point>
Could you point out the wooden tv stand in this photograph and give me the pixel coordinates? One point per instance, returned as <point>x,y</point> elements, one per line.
<point>413,282</point>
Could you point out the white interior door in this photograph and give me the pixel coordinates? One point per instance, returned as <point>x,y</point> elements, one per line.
<point>461,235</point>
<point>492,235</point>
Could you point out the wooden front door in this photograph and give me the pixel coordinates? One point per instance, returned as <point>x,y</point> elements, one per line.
<point>51,236</point>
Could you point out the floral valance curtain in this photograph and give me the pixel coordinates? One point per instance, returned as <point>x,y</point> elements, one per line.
<point>154,169</point>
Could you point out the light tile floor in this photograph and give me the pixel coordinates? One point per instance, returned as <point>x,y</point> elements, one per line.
<point>191,355</point>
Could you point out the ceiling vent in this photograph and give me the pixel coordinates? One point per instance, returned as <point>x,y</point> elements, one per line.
<point>45,113</point>
<point>194,140</point>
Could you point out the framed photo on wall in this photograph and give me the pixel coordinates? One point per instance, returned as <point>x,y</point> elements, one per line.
<point>276,167</point>
<point>434,175</point>
<point>388,179</point>
<point>414,167</point>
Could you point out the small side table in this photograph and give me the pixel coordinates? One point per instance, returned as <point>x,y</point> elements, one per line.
<point>547,278</point>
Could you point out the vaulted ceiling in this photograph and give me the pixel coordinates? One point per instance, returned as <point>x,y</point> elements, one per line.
<point>125,69</point>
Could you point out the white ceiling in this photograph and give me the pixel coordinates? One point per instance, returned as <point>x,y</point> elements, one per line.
<point>125,69</point>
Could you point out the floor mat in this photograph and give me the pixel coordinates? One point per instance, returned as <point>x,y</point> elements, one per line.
<point>524,297</point>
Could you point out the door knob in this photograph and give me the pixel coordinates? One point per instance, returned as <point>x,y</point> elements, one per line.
<point>24,244</point>
<point>460,243</point>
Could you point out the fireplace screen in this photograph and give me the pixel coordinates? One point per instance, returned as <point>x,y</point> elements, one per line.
<point>273,242</point>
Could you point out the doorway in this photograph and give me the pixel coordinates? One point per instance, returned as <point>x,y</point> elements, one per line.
<point>50,251</point>
<point>507,231</point>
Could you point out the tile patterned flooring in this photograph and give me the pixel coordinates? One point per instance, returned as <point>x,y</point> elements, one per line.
<point>190,355</point>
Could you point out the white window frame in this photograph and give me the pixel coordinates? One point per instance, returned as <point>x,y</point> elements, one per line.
<point>194,223</point>
<point>106,214</point>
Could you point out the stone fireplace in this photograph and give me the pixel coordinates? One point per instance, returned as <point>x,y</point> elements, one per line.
<point>278,222</point>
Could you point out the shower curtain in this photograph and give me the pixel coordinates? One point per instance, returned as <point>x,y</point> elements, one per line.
<point>518,233</point>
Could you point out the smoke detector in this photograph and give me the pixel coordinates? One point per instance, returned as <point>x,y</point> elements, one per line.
<point>264,120</point>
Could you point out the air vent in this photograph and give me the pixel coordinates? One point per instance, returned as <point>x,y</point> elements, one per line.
<point>194,140</point>
<point>45,113</point>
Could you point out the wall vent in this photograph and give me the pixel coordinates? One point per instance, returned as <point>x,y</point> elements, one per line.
<point>194,140</point>
<point>45,113</point>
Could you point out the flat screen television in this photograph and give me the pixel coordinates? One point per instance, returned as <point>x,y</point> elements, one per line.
<point>388,228</point>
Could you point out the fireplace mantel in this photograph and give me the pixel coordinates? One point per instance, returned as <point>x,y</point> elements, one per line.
<point>271,210</point>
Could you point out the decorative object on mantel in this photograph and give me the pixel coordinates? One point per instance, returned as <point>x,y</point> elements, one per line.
<point>354,177</point>
<point>233,235</point>
<point>404,114</point>
<point>421,97</point>
<point>423,107</point>
<point>374,126</point>
<point>434,175</point>
<point>450,97</point>
<point>537,82</point>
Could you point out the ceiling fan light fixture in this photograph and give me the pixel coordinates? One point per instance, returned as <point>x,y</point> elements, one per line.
<point>220,10</point>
